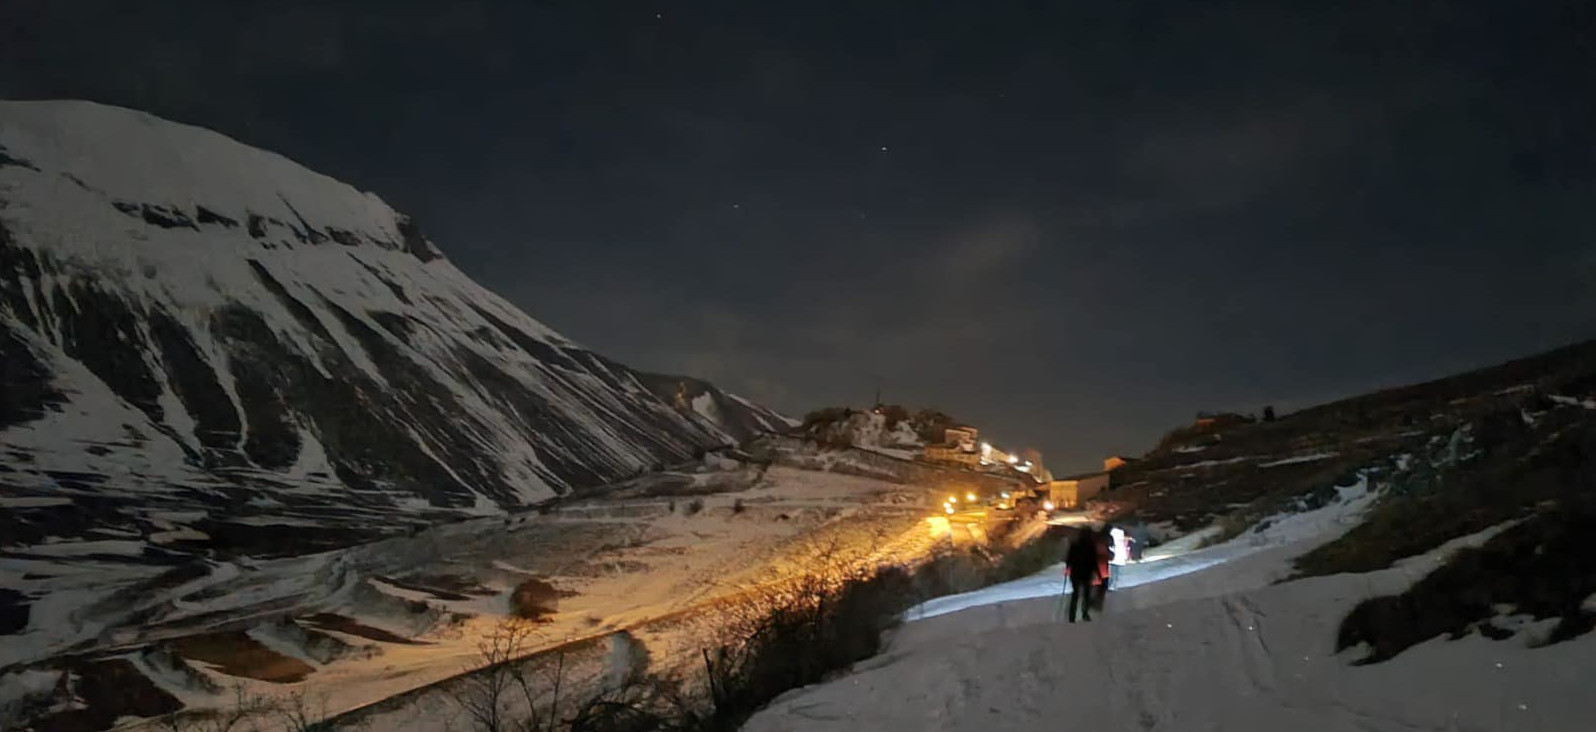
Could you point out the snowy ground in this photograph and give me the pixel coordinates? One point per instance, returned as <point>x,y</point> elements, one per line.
<point>364,624</point>
<point>677,609</point>
<point>1195,640</point>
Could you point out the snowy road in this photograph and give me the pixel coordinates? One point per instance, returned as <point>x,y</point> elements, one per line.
<point>1200,640</point>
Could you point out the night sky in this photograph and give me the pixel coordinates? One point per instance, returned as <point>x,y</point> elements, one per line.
<point>1073,224</point>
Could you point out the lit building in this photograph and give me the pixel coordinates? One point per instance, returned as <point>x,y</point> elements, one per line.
<point>952,454</point>
<point>1076,490</point>
<point>964,437</point>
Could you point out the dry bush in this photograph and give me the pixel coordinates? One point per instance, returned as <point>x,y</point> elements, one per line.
<point>298,713</point>
<point>489,697</point>
<point>835,616</point>
<point>245,707</point>
<point>251,712</point>
<point>1031,557</point>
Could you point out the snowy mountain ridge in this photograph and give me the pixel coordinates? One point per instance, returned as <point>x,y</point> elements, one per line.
<point>194,330</point>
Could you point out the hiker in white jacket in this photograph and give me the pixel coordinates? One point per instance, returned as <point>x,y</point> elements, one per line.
<point>1120,546</point>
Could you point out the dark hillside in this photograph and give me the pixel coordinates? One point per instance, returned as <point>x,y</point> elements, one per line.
<point>1510,449</point>
<point>1244,471</point>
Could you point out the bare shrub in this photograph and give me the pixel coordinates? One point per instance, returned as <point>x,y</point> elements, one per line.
<point>835,616</point>
<point>821,621</point>
<point>489,696</point>
<point>297,713</point>
<point>242,715</point>
<point>1030,558</point>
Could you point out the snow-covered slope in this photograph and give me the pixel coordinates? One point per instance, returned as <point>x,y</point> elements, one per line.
<point>195,333</point>
<point>901,434</point>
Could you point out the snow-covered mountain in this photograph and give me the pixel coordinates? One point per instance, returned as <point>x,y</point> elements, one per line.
<point>199,339</point>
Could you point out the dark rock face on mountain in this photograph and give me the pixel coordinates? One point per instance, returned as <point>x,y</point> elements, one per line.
<point>202,343</point>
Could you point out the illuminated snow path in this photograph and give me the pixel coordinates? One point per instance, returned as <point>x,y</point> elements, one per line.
<point>1174,559</point>
<point>1155,567</point>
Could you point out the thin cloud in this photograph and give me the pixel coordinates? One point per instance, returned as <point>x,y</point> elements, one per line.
<point>990,247</point>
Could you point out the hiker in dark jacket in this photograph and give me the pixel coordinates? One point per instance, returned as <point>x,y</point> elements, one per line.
<point>1081,564</point>
<point>1105,558</point>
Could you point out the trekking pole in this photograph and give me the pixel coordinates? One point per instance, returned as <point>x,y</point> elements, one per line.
<point>1058,610</point>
